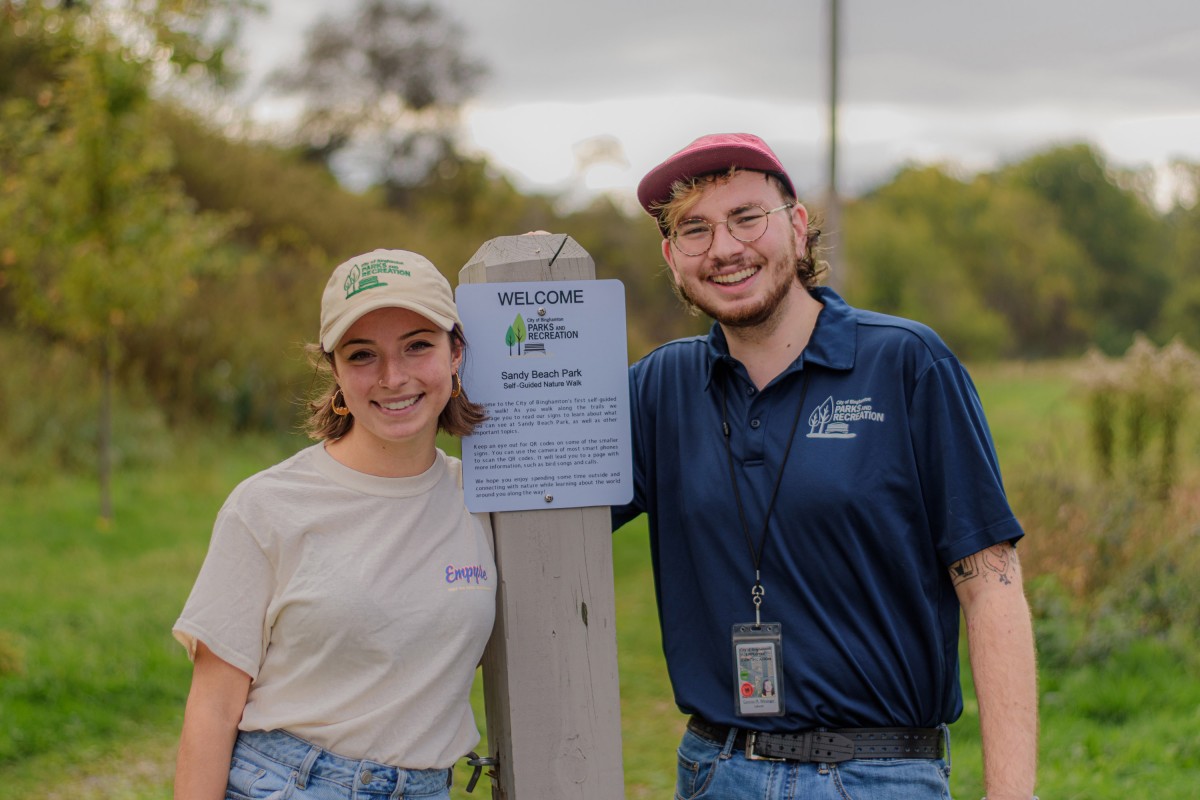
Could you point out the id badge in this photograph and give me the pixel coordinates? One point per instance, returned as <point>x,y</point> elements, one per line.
<point>757,669</point>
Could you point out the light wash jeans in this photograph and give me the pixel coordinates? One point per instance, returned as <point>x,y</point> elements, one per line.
<point>716,771</point>
<point>280,766</point>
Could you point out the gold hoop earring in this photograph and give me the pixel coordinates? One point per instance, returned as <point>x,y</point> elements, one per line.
<point>455,384</point>
<point>341,410</point>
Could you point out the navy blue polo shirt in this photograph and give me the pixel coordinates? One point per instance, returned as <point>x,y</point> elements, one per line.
<point>891,478</point>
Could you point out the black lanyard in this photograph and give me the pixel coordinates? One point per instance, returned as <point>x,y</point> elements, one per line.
<point>756,553</point>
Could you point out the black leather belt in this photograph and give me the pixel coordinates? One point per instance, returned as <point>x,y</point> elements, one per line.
<point>827,746</point>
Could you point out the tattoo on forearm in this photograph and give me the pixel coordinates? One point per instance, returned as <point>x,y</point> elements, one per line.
<point>964,570</point>
<point>996,561</point>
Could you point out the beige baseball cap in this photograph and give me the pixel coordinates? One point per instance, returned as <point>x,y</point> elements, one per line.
<point>384,279</point>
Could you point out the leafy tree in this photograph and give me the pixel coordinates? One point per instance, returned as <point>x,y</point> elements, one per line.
<point>27,51</point>
<point>1026,268</point>
<point>1181,311</point>
<point>902,267</point>
<point>386,85</point>
<point>173,37</point>
<point>100,241</point>
<point>983,262</point>
<point>1121,234</point>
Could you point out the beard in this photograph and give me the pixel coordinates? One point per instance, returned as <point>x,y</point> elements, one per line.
<point>781,269</point>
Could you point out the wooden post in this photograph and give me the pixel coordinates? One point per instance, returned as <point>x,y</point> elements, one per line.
<point>552,695</point>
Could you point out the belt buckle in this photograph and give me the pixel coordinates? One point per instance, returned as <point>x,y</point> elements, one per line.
<point>751,736</point>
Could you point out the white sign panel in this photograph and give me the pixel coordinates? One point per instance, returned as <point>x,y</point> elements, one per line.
<point>548,360</point>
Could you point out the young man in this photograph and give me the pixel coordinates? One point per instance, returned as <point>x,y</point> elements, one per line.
<point>823,498</point>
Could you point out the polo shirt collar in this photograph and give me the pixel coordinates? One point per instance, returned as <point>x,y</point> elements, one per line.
<point>833,344</point>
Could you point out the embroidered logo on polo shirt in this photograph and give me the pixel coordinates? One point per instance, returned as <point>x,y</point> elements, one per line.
<point>833,418</point>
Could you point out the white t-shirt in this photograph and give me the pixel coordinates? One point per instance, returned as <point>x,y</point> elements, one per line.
<point>359,605</point>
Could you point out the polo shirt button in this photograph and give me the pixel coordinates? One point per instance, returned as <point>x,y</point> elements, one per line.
<point>365,777</point>
<point>751,390</point>
<point>754,423</point>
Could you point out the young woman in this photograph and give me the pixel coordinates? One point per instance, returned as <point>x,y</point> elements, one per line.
<point>347,595</point>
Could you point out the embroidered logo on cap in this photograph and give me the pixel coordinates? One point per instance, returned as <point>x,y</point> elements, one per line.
<point>366,276</point>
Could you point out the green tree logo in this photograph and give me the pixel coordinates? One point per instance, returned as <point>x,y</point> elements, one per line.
<point>515,334</point>
<point>352,280</point>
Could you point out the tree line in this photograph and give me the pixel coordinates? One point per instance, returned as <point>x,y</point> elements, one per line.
<point>1039,258</point>
<point>167,270</point>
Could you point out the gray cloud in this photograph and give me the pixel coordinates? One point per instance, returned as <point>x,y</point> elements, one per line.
<point>966,80</point>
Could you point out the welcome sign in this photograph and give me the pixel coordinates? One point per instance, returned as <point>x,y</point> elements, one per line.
<point>548,361</point>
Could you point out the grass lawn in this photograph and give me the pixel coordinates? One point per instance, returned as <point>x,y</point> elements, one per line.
<point>92,685</point>
<point>1029,407</point>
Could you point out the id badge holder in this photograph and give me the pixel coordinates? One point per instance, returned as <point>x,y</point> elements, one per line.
<point>757,669</point>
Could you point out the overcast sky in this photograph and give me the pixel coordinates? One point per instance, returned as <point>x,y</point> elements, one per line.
<point>969,83</point>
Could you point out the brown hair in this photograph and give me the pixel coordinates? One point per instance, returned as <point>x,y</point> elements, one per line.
<point>460,417</point>
<point>685,193</point>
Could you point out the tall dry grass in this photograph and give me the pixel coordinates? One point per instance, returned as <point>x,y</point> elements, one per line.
<point>1106,481</point>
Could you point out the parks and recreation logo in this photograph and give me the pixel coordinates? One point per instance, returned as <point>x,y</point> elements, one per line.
<point>367,276</point>
<point>833,418</point>
<point>529,338</point>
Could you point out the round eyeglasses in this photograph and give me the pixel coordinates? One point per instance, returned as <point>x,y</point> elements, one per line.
<point>693,237</point>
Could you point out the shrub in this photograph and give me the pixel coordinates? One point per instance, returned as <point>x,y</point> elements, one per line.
<point>50,394</point>
<point>1143,395</point>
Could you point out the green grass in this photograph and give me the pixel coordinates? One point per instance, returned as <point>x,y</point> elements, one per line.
<point>1025,403</point>
<point>92,685</point>
<point>86,605</point>
<point>1127,726</point>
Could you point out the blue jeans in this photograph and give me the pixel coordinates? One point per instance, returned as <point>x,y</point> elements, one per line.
<point>711,770</point>
<point>279,766</point>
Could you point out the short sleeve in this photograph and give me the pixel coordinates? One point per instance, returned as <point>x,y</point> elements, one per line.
<point>960,474</point>
<point>637,407</point>
<point>227,608</point>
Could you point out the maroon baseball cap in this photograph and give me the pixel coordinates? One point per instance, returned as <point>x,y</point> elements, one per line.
<point>716,152</point>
